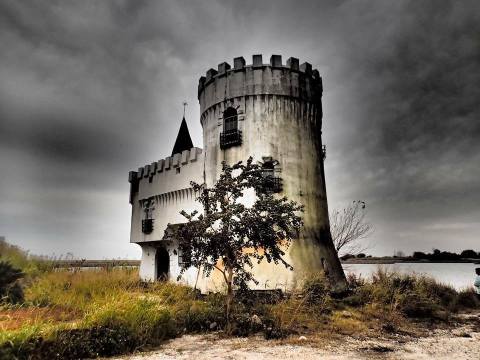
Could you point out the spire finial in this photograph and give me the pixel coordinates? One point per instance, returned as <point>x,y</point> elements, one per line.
<point>184,105</point>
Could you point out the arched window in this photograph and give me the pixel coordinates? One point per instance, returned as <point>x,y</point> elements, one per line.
<point>230,120</point>
<point>273,183</point>
<point>230,136</point>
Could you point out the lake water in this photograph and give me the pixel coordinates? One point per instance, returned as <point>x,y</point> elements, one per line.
<point>459,275</point>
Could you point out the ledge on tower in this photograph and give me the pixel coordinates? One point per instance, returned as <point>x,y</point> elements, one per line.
<point>306,68</point>
<point>223,67</point>
<point>292,63</point>
<point>276,60</point>
<point>210,74</point>
<point>257,61</point>
<point>238,63</point>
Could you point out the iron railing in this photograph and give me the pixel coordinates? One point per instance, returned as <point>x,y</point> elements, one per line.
<point>230,138</point>
<point>272,184</point>
<point>147,226</point>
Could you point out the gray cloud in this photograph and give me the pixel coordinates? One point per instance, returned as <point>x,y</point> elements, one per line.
<point>90,90</point>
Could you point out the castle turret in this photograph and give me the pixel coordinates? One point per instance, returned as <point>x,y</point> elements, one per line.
<point>273,112</point>
<point>184,141</point>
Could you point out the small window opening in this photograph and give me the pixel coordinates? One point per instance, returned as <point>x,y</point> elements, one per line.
<point>230,136</point>
<point>230,120</point>
<point>273,183</point>
<point>147,222</point>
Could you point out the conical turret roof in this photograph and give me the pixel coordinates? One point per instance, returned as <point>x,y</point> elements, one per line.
<point>184,141</point>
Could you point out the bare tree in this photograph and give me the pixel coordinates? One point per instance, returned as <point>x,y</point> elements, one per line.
<point>349,227</point>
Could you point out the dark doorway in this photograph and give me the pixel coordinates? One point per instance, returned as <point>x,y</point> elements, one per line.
<point>162,263</point>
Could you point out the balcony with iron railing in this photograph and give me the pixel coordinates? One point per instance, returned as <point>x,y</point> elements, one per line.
<point>147,226</point>
<point>272,184</point>
<point>230,138</point>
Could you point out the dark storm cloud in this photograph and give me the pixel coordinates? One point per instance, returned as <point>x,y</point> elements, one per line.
<point>419,94</point>
<point>90,90</point>
<point>414,150</point>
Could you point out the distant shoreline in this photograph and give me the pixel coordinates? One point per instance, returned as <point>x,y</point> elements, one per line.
<point>95,263</point>
<point>366,261</point>
<point>392,260</point>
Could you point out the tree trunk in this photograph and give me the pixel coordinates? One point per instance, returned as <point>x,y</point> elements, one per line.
<point>229,295</point>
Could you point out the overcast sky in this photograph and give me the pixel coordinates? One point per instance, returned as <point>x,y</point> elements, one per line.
<point>92,89</point>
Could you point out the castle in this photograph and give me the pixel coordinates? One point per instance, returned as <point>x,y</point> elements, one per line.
<point>272,112</point>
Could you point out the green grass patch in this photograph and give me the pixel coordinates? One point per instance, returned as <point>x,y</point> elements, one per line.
<point>86,314</point>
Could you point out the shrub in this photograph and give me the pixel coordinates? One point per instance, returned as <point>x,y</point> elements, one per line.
<point>70,344</point>
<point>469,254</point>
<point>467,299</point>
<point>10,289</point>
<point>419,255</point>
<point>20,259</point>
<point>413,295</point>
<point>315,289</point>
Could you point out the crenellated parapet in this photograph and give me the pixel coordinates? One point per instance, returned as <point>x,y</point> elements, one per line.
<point>292,80</point>
<point>164,175</point>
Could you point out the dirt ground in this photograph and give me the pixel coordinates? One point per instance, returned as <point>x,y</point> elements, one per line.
<point>458,344</point>
<point>12,319</point>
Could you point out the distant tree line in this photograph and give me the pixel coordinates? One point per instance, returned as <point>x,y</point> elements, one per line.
<point>352,256</point>
<point>446,255</point>
<point>435,255</point>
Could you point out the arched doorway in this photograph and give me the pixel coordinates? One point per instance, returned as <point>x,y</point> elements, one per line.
<point>162,263</point>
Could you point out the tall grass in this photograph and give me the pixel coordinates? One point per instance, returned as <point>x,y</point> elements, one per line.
<point>110,306</point>
<point>105,312</point>
<point>413,295</point>
<point>80,290</point>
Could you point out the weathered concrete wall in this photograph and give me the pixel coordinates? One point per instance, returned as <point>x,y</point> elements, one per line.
<point>167,182</point>
<point>147,264</point>
<point>148,268</point>
<point>292,80</point>
<point>280,116</point>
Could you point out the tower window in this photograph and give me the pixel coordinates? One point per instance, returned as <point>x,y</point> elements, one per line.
<point>230,136</point>
<point>230,120</point>
<point>272,182</point>
<point>147,223</point>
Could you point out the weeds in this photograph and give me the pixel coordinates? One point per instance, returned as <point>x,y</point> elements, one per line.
<point>415,296</point>
<point>106,312</point>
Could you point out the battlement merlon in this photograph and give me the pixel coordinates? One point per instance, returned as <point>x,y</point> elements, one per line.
<point>293,80</point>
<point>162,166</point>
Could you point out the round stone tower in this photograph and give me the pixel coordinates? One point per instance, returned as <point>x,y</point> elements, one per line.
<point>273,112</point>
